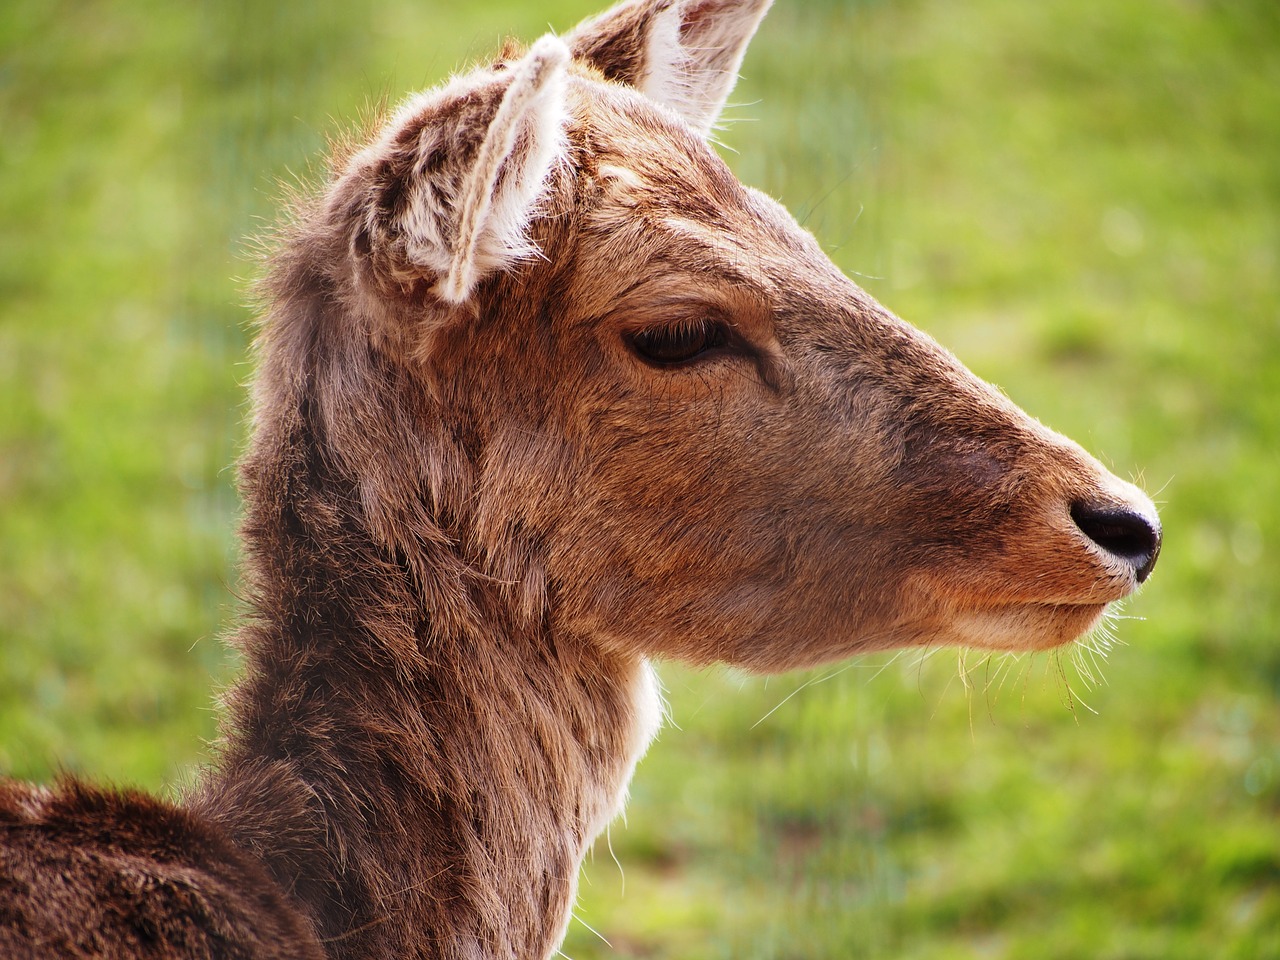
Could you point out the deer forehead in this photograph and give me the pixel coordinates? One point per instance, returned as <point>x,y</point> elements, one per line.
<point>663,204</point>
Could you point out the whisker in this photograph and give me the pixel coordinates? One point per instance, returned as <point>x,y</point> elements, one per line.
<point>811,682</point>
<point>1004,670</point>
<point>886,665</point>
<point>603,940</point>
<point>622,874</point>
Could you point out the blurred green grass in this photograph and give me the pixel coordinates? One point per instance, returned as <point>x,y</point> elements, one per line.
<point>1083,200</point>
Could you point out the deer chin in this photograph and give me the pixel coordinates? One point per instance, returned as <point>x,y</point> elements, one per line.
<point>1025,626</point>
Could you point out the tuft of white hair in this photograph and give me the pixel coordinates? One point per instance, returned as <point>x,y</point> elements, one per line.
<point>502,189</point>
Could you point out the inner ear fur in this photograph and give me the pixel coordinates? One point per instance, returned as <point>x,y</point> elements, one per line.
<point>447,192</point>
<point>684,54</point>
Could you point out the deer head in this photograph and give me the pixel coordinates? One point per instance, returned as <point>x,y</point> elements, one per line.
<point>550,328</point>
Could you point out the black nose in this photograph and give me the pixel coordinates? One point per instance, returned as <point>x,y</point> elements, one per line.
<point>1123,533</point>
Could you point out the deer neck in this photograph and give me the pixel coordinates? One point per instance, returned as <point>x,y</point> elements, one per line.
<point>420,790</point>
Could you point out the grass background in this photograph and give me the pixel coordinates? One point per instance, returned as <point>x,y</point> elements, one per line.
<point>1081,199</point>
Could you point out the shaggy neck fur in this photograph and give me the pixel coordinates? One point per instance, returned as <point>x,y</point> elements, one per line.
<point>421,766</point>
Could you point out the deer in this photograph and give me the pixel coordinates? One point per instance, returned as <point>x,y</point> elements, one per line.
<point>545,394</point>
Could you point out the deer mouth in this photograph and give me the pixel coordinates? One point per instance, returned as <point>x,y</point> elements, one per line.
<point>1027,626</point>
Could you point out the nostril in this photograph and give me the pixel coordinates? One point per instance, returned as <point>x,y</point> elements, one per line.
<point>1123,533</point>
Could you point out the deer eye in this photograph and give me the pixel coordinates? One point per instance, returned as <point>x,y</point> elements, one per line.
<point>675,344</point>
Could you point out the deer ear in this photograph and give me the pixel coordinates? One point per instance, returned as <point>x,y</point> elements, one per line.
<point>448,191</point>
<point>682,53</point>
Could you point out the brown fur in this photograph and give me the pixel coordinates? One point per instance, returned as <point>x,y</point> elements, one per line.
<point>118,875</point>
<point>472,517</point>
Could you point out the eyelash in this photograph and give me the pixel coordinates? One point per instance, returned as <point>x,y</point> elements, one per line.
<point>677,344</point>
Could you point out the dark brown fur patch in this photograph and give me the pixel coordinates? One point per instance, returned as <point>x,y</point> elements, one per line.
<point>87,873</point>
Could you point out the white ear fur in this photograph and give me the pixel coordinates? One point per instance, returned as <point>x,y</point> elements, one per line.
<point>510,170</point>
<point>695,50</point>
<point>449,189</point>
<point>684,54</point>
